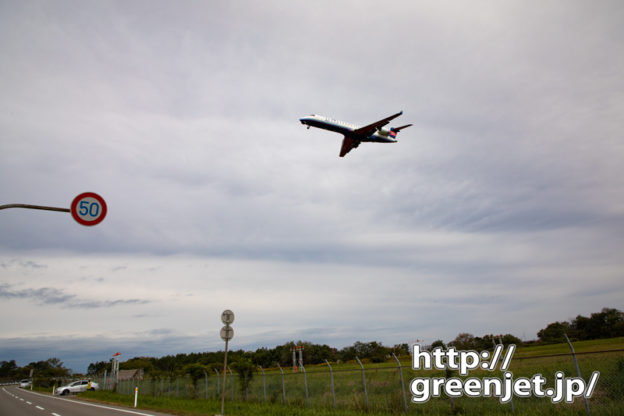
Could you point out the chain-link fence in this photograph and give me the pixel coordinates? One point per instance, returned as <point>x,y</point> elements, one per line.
<point>386,387</point>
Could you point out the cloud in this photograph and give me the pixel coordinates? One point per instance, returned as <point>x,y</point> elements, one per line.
<point>53,296</point>
<point>107,303</point>
<point>13,263</point>
<point>45,295</point>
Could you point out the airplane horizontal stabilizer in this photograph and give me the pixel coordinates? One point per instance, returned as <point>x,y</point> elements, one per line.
<point>401,128</point>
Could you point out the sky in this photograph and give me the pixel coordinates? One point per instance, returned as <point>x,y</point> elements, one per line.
<point>499,211</point>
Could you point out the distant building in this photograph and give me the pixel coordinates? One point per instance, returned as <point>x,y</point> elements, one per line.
<point>136,374</point>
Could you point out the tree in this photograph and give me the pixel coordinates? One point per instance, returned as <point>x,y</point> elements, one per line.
<point>438,344</point>
<point>265,357</point>
<point>47,372</point>
<point>8,369</point>
<point>614,321</point>
<point>98,368</point>
<point>401,349</point>
<point>245,370</point>
<point>463,341</point>
<point>144,363</point>
<point>195,371</point>
<point>554,332</point>
<point>607,323</point>
<point>508,339</point>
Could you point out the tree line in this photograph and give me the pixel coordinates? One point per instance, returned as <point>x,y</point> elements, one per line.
<point>45,373</point>
<point>266,357</point>
<point>605,324</point>
<point>608,323</point>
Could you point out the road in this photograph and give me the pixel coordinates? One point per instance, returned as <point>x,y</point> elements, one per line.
<point>20,402</point>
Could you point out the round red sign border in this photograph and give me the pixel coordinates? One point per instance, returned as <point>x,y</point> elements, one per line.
<point>74,206</point>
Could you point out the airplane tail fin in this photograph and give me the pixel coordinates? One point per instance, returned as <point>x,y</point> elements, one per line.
<point>395,130</point>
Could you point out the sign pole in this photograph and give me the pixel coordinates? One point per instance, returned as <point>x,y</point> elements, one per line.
<point>227,333</point>
<point>28,206</point>
<point>224,375</point>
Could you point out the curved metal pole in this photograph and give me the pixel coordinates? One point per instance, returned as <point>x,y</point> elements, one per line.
<point>283,385</point>
<point>402,382</point>
<point>578,370</point>
<point>224,376</point>
<point>331,376</point>
<point>363,381</point>
<point>263,381</point>
<point>218,381</point>
<point>28,206</point>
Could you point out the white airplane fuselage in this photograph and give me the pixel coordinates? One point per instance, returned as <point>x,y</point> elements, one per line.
<point>380,136</point>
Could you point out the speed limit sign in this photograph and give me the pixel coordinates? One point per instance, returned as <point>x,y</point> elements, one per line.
<point>227,333</point>
<point>88,209</point>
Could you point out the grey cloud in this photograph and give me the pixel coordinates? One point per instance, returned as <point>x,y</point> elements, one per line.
<point>106,303</point>
<point>53,296</point>
<point>32,264</point>
<point>45,295</point>
<point>26,264</point>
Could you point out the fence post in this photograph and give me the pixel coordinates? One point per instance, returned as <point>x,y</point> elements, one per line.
<point>578,370</point>
<point>305,381</point>
<point>263,381</point>
<point>283,385</point>
<point>331,377</point>
<point>402,382</point>
<point>218,382</point>
<point>363,381</point>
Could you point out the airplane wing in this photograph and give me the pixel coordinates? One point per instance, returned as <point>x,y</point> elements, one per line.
<point>370,129</point>
<point>347,144</point>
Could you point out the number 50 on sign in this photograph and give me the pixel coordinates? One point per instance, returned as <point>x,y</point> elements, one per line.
<point>88,208</point>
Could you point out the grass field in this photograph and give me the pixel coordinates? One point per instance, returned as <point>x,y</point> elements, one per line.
<point>383,388</point>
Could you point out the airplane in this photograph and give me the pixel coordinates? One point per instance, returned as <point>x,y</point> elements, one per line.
<point>354,135</point>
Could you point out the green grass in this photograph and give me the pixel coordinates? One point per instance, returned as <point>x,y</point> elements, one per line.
<point>579,347</point>
<point>183,406</point>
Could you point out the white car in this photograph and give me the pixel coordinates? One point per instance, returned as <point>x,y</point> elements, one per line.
<point>25,383</point>
<point>76,387</point>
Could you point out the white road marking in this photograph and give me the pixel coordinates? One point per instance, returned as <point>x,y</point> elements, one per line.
<point>132,412</point>
<point>106,407</point>
<point>39,407</point>
<point>55,414</point>
<point>29,402</point>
